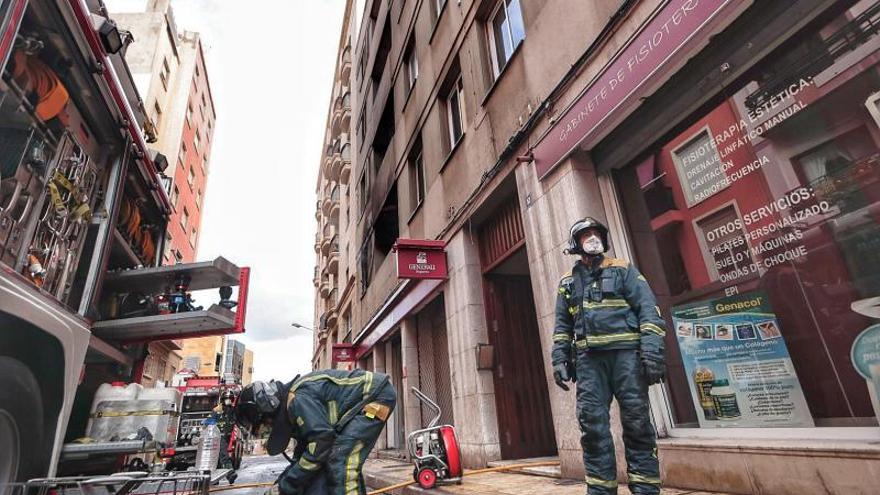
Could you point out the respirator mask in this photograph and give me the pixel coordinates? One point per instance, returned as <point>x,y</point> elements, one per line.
<point>592,245</point>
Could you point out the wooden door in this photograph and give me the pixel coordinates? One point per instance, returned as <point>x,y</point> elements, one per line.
<point>525,421</point>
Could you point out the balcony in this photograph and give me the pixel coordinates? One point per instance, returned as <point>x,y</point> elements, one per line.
<point>324,287</point>
<point>345,109</point>
<point>332,317</point>
<point>317,242</point>
<point>335,161</point>
<point>333,260</point>
<point>817,56</point>
<point>345,168</point>
<point>345,64</point>
<point>316,279</point>
<point>329,233</point>
<point>318,210</point>
<point>325,205</point>
<point>334,202</point>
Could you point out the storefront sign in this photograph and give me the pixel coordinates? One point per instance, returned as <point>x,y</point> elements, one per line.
<point>421,259</point>
<point>737,364</point>
<point>631,69</point>
<point>343,353</point>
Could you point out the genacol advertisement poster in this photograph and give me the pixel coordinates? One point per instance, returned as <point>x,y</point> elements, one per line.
<point>737,364</point>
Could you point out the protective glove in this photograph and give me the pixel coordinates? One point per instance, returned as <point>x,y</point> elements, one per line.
<point>653,358</point>
<point>654,368</point>
<point>563,372</point>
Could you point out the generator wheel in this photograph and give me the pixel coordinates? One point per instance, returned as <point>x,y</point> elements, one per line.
<point>237,454</point>
<point>427,478</point>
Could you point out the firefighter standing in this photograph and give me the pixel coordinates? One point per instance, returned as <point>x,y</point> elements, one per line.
<point>608,338</point>
<point>336,411</point>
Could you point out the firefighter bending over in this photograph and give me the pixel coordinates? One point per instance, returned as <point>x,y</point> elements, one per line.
<point>336,411</point>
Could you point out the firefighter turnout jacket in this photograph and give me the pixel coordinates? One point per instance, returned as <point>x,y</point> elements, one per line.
<point>606,306</point>
<point>319,407</point>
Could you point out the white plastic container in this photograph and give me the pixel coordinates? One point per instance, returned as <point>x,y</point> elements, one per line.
<point>116,391</point>
<point>161,393</point>
<point>208,452</point>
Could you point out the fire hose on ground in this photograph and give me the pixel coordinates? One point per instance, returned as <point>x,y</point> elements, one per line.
<point>406,483</point>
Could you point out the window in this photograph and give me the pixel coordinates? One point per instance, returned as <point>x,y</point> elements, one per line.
<point>168,242</point>
<point>184,218</point>
<point>364,190</point>
<point>199,199</point>
<point>506,32</point>
<point>157,115</point>
<point>192,238</point>
<point>754,228</point>
<point>164,73</point>
<point>437,8</point>
<point>412,67</point>
<point>175,195</point>
<point>454,103</point>
<point>191,176</point>
<point>197,140</point>
<point>205,164</point>
<point>189,113</point>
<point>181,154</point>
<point>416,179</point>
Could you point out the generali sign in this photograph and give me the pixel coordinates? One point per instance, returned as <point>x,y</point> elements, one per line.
<point>421,259</point>
<point>343,353</point>
<point>643,61</point>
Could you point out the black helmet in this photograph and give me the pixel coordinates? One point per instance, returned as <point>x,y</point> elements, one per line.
<point>227,397</point>
<point>256,403</point>
<point>580,226</point>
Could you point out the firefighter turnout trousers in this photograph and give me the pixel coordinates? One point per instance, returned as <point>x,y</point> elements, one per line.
<point>601,375</point>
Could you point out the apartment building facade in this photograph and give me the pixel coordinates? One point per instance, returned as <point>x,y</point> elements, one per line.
<point>334,250</point>
<point>732,149</point>
<point>168,66</point>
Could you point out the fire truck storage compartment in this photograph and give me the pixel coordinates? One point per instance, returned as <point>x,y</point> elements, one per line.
<point>61,154</point>
<point>212,317</point>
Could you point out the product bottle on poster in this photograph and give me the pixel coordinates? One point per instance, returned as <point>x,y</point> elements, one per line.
<point>724,396</point>
<point>704,378</point>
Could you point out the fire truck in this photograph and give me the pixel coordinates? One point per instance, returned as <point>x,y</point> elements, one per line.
<point>201,395</point>
<point>83,214</point>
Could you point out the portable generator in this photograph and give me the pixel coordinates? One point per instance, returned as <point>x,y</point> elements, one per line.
<point>434,450</point>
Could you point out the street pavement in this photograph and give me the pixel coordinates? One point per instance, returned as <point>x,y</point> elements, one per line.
<point>385,472</point>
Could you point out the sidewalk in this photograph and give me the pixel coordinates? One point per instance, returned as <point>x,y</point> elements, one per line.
<point>386,472</point>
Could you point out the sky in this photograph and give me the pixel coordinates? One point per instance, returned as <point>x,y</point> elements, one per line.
<point>271,67</point>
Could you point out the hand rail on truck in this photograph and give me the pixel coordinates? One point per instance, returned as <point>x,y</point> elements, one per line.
<point>126,483</point>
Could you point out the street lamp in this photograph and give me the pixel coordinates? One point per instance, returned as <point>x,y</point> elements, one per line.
<point>297,325</point>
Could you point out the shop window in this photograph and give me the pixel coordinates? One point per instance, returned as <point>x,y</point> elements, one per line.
<point>757,227</point>
<point>506,31</point>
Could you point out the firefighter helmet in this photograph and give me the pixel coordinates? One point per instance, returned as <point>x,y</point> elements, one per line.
<point>257,402</point>
<point>581,225</point>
